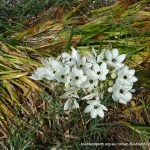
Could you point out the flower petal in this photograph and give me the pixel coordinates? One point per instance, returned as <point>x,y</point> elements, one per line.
<point>103,107</point>
<point>74,54</point>
<point>94,51</point>
<point>93,113</point>
<point>121,58</point>
<point>91,74</point>
<point>108,55</point>
<point>75,105</point>
<point>96,67</point>
<point>88,109</point>
<point>88,97</point>
<point>100,112</point>
<point>133,79</point>
<point>115,53</point>
<point>125,97</point>
<point>67,105</point>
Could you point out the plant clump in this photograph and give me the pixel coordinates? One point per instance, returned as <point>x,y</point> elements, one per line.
<point>88,79</point>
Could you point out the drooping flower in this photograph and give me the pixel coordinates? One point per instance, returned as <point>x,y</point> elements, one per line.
<point>71,92</point>
<point>71,95</point>
<point>121,91</point>
<point>127,74</point>
<point>92,96</point>
<point>114,59</point>
<point>71,104</point>
<point>95,108</point>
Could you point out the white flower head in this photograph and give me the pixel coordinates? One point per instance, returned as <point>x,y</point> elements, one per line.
<point>77,77</point>
<point>95,108</point>
<point>98,72</point>
<point>122,91</point>
<point>127,74</point>
<point>114,59</point>
<point>62,74</point>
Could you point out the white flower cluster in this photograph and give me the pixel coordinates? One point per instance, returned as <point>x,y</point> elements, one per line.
<point>88,78</point>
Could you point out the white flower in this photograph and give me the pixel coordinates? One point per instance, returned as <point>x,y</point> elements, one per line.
<point>62,74</point>
<point>77,77</point>
<point>127,74</point>
<point>48,71</point>
<point>114,59</point>
<point>71,104</point>
<point>70,59</point>
<point>41,73</point>
<point>98,72</point>
<point>95,108</point>
<point>122,91</point>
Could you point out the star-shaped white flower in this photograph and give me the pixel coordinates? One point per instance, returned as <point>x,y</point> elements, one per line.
<point>70,59</point>
<point>77,77</point>
<point>98,72</point>
<point>62,74</point>
<point>127,74</point>
<point>95,108</point>
<point>114,59</point>
<point>121,91</point>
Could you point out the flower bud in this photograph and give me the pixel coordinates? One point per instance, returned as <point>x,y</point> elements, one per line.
<point>113,75</point>
<point>101,85</point>
<point>110,83</point>
<point>110,89</point>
